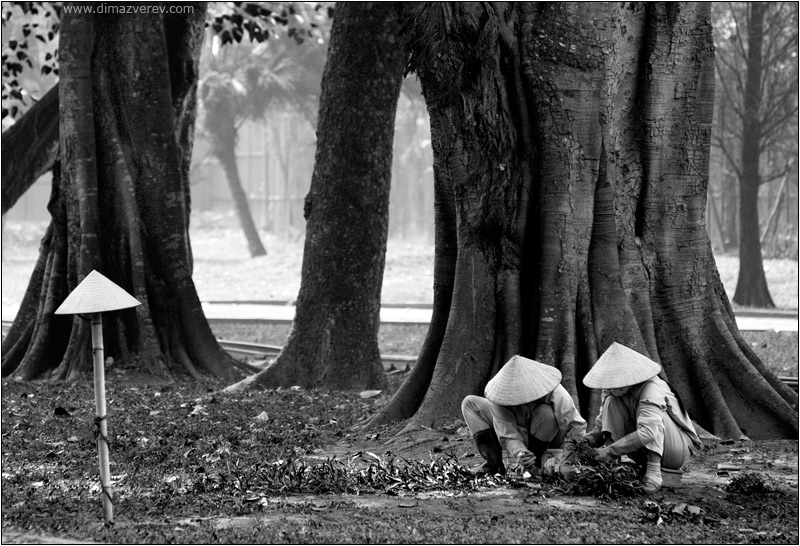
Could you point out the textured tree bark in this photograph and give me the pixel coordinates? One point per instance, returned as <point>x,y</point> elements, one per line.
<point>751,287</point>
<point>120,204</point>
<point>333,343</point>
<point>576,137</point>
<point>29,148</point>
<point>411,393</point>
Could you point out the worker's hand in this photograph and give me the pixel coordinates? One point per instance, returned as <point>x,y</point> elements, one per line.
<point>591,439</point>
<point>528,462</point>
<point>603,454</point>
<point>550,466</point>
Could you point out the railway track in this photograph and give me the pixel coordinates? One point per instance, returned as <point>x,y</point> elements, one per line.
<point>391,363</point>
<point>257,351</point>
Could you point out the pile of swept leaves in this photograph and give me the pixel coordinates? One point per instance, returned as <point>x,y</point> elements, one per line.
<point>761,492</point>
<point>590,477</point>
<point>365,472</point>
<point>751,483</point>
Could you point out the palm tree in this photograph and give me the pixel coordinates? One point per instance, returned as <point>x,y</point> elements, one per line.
<point>244,82</point>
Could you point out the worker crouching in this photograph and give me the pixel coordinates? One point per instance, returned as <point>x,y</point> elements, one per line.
<point>525,410</point>
<point>640,415</point>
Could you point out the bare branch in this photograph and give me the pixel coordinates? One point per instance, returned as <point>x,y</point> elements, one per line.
<point>777,122</point>
<point>728,154</point>
<point>739,42</point>
<point>729,94</point>
<point>734,72</point>
<point>771,177</point>
<point>781,53</point>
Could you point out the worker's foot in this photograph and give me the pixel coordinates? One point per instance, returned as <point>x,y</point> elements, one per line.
<point>652,478</point>
<point>651,483</point>
<point>650,487</point>
<point>486,468</point>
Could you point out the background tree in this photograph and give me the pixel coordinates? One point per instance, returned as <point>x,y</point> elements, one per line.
<point>242,82</point>
<point>131,127</point>
<point>756,58</point>
<point>571,147</point>
<point>334,337</point>
<point>226,102</point>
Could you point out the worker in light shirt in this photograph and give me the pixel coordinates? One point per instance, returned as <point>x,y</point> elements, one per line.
<point>640,415</point>
<point>526,410</point>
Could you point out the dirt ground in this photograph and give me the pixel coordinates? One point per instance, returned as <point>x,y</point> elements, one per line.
<point>702,509</point>
<point>697,511</point>
<point>702,484</point>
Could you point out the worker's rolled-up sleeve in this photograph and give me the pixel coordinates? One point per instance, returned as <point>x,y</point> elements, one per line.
<point>505,425</point>
<point>567,415</point>
<point>649,433</point>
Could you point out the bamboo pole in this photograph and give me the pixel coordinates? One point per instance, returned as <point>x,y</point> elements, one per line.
<point>102,418</point>
<point>94,295</point>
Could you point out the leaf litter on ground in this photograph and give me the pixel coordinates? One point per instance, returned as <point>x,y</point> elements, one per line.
<point>189,448</point>
<point>185,451</point>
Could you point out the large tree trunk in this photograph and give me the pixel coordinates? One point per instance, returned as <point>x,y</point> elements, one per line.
<point>334,339</point>
<point>120,202</point>
<point>411,393</point>
<point>751,288</point>
<point>575,137</point>
<point>29,148</point>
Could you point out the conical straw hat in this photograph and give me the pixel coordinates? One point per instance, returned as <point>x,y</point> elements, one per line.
<point>520,381</point>
<point>620,367</point>
<point>96,294</point>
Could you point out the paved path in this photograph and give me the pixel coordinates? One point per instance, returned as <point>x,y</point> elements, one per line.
<point>277,312</point>
<point>779,324</point>
<point>13,536</point>
<point>781,321</point>
<point>285,313</point>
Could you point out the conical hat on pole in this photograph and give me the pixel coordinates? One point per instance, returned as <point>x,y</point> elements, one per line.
<point>96,294</point>
<point>620,367</point>
<point>521,380</point>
